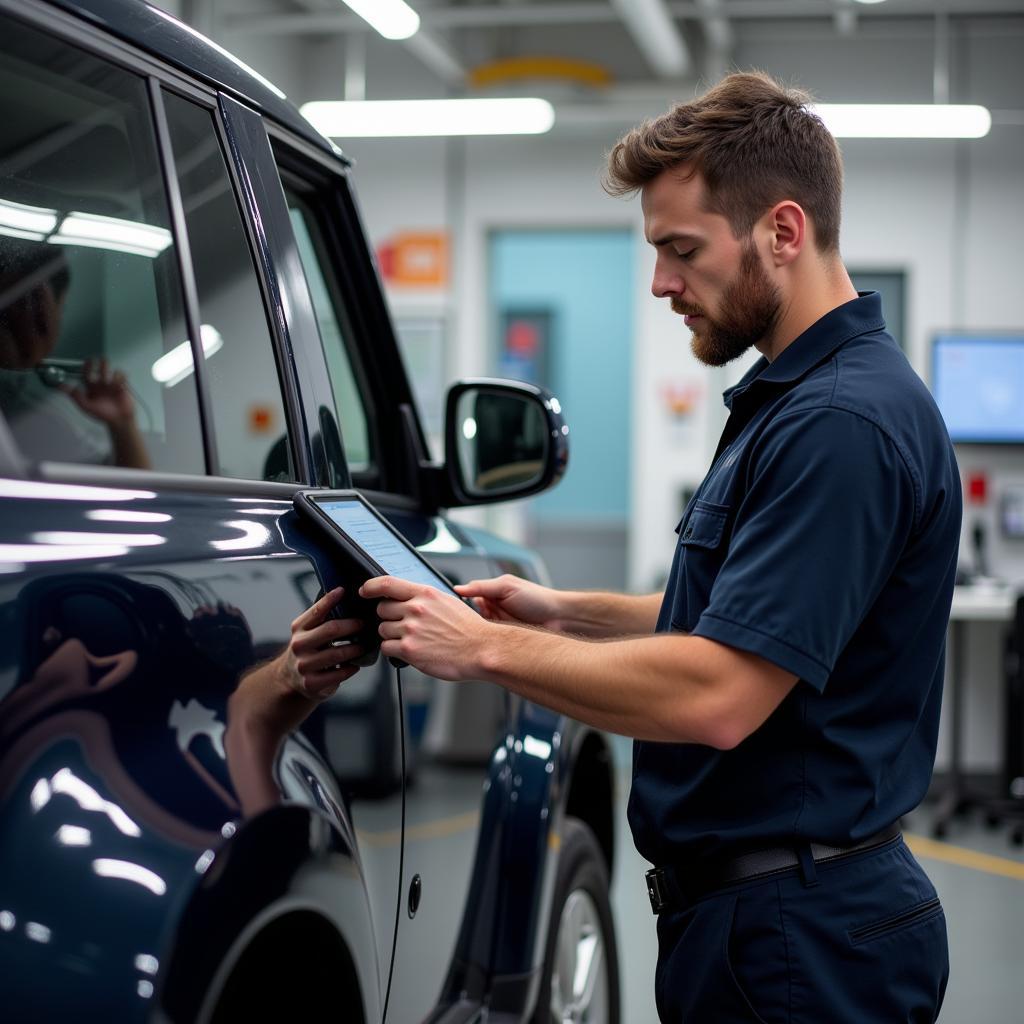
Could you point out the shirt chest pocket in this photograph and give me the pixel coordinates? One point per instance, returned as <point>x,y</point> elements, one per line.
<point>703,545</point>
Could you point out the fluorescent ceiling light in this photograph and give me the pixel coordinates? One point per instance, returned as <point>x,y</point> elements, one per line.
<point>58,552</point>
<point>904,120</point>
<point>34,489</point>
<point>92,229</point>
<point>26,221</point>
<point>73,835</point>
<point>89,229</point>
<point>255,535</point>
<point>128,540</point>
<point>174,366</point>
<point>393,19</point>
<point>390,118</point>
<point>126,515</point>
<point>66,782</point>
<point>108,868</point>
<point>147,964</point>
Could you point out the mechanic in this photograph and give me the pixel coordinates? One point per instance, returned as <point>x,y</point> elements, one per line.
<point>784,692</point>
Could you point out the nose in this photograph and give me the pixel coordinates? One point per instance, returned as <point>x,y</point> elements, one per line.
<point>667,281</point>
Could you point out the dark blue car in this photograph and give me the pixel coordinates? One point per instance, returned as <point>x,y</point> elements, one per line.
<point>192,329</point>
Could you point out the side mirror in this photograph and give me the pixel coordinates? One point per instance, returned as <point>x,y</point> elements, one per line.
<point>503,440</point>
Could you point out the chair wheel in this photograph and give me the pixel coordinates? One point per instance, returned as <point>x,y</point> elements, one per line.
<point>939,830</point>
<point>992,820</point>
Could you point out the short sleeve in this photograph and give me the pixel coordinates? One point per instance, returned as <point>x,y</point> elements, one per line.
<point>828,507</point>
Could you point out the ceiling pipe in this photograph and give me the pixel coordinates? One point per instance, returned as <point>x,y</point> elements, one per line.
<point>657,36</point>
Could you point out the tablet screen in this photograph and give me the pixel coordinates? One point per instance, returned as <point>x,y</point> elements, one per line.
<point>355,520</point>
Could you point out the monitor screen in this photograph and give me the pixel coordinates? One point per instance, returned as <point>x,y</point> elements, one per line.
<point>978,384</point>
<point>379,541</point>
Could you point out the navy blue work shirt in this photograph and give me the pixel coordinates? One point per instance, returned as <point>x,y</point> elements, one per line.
<point>824,539</point>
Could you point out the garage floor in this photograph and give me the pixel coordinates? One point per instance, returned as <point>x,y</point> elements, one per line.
<point>980,880</point>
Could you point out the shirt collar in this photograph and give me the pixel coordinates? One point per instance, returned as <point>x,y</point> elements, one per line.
<point>838,326</point>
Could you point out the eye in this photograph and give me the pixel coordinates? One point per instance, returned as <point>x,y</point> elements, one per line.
<point>688,255</point>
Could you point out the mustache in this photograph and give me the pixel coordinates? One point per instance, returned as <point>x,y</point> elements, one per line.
<point>680,307</point>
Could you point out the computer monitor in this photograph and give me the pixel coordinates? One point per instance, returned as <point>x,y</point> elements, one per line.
<point>978,384</point>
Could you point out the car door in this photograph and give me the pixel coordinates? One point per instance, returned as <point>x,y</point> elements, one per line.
<point>152,829</point>
<point>454,731</point>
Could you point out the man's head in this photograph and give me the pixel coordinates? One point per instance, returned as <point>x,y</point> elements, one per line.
<point>734,184</point>
<point>34,279</point>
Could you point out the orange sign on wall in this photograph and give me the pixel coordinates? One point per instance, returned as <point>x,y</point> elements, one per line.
<point>261,418</point>
<point>417,259</point>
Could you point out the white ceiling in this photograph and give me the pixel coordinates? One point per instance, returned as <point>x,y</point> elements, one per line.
<point>900,50</point>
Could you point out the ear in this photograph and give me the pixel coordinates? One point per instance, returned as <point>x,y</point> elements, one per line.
<point>788,228</point>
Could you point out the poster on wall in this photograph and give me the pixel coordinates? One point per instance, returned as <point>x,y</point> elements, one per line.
<point>525,345</point>
<point>414,259</point>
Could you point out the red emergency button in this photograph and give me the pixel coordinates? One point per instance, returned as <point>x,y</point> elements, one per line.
<point>977,488</point>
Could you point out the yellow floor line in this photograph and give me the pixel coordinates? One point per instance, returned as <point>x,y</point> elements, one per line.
<point>934,850</point>
<point>426,830</point>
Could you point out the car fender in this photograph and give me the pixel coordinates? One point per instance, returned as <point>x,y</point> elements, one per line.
<point>288,859</point>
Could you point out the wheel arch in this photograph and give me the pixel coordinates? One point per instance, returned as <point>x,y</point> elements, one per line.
<point>298,948</point>
<point>286,867</point>
<point>591,790</point>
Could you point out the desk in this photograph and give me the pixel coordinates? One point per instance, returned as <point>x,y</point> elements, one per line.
<point>976,602</point>
<point>988,602</point>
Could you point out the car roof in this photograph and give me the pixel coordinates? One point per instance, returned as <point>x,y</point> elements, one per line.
<point>158,33</point>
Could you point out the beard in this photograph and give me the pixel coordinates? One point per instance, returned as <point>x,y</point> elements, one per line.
<point>749,311</point>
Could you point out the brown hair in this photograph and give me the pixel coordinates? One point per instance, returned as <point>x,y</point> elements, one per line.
<point>754,142</point>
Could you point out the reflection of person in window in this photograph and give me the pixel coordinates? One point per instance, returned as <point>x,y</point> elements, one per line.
<point>92,421</point>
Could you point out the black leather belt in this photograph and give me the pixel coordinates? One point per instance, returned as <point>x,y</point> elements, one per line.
<point>675,886</point>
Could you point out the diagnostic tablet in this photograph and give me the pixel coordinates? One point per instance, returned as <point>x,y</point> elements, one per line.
<point>367,537</point>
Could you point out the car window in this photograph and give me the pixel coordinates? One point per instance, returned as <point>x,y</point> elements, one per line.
<point>91,322</point>
<point>241,370</point>
<point>348,400</point>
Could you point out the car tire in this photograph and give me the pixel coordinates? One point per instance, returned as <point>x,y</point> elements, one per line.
<point>580,932</point>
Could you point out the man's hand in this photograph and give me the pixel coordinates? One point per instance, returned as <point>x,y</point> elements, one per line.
<point>432,631</point>
<point>103,395</point>
<point>511,599</point>
<point>316,661</point>
<point>277,697</point>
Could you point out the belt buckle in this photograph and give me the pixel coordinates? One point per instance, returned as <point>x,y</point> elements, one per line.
<point>657,890</point>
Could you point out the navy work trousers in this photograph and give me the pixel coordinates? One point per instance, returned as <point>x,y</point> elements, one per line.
<point>859,941</point>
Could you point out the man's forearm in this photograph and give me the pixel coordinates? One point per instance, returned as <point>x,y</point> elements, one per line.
<point>669,687</point>
<point>129,448</point>
<point>600,614</point>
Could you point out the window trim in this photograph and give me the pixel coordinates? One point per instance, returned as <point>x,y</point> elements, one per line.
<point>236,118</point>
<point>186,271</point>
<point>158,480</point>
<point>280,340</point>
<point>299,185</point>
<point>386,383</point>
